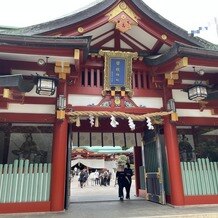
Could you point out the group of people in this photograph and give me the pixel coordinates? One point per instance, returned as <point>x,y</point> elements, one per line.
<point>103,178</point>
<point>124,180</point>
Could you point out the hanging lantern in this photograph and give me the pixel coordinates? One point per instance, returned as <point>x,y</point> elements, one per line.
<point>61,102</point>
<point>197,92</point>
<point>46,85</point>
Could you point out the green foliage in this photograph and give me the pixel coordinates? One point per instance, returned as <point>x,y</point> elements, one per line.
<point>207,149</point>
<point>122,160</point>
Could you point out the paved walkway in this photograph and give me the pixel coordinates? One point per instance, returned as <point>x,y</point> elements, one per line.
<point>95,193</point>
<point>102,202</point>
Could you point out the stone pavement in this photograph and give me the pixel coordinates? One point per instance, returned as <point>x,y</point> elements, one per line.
<point>102,202</point>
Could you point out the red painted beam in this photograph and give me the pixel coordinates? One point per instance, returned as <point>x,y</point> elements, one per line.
<point>189,105</point>
<point>203,61</point>
<point>88,26</point>
<point>26,118</point>
<point>24,207</point>
<point>206,199</point>
<point>155,32</point>
<point>134,40</point>
<point>138,110</point>
<point>84,90</point>
<point>193,76</point>
<point>37,51</point>
<point>102,42</point>
<point>103,34</point>
<point>131,44</point>
<point>117,36</point>
<point>198,121</point>
<point>3,105</point>
<point>157,47</point>
<point>147,93</point>
<point>214,111</point>
<point>6,66</point>
<point>39,100</point>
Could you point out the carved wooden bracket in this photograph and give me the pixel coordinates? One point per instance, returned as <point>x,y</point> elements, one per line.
<point>174,74</point>
<point>77,59</point>
<point>62,68</point>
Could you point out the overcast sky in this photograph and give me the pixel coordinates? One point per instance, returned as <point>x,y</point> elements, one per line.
<point>188,14</point>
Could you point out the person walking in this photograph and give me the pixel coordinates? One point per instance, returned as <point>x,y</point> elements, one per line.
<point>128,179</point>
<point>120,176</point>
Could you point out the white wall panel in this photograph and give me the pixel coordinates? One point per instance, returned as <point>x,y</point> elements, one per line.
<point>83,100</point>
<point>148,102</point>
<point>180,96</point>
<point>29,109</point>
<point>194,113</point>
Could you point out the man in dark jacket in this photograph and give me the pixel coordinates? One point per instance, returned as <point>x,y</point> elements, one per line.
<point>120,176</point>
<point>128,179</point>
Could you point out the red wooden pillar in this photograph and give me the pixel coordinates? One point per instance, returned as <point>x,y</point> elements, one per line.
<point>137,163</point>
<point>171,142</point>
<point>59,154</point>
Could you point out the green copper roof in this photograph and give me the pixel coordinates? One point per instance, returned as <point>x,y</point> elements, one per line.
<point>107,149</point>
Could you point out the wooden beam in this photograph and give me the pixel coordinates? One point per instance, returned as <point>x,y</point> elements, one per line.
<point>26,118</point>
<point>134,40</point>
<point>105,33</point>
<point>132,45</point>
<point>102,42</point>
<point>197,121</point>
<point>36,51</point>
<point>117,39</point>
<point>139,110</point>
<point>157,47</point>
<point>203,61</point>
<point>89,26</point>
<point>214,111</point>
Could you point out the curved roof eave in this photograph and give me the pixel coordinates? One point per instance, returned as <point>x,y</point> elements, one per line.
<point>64,21</point>
<point>181,50</point>
<point>82,42</point>
<point>145,9</point>
<point>98,8</point>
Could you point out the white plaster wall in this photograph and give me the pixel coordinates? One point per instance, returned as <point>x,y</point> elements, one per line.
<point>194,113</point>
<point>29,108</point>
<point>83,100</point>
<point>149,102</point>
<point>180,96</point>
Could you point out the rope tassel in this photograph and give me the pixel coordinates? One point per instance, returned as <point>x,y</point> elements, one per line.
<point>78,121</point>
<point>96,122</point>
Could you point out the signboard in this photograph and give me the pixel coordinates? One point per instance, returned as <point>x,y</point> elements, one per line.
<point>118,70</point>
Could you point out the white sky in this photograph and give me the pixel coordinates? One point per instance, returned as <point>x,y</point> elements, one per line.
<point>188,14</point>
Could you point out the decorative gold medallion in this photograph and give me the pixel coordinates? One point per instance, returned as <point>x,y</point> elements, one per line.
<point>117,101</point>
<point>80,29</point>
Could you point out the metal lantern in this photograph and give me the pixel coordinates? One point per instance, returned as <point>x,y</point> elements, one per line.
<point>171,105</point>
<point>61,102</point>
<point>197,92</point>
<point>45,86</point>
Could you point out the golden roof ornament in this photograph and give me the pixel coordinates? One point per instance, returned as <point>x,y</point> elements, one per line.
<point>123,17</point>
